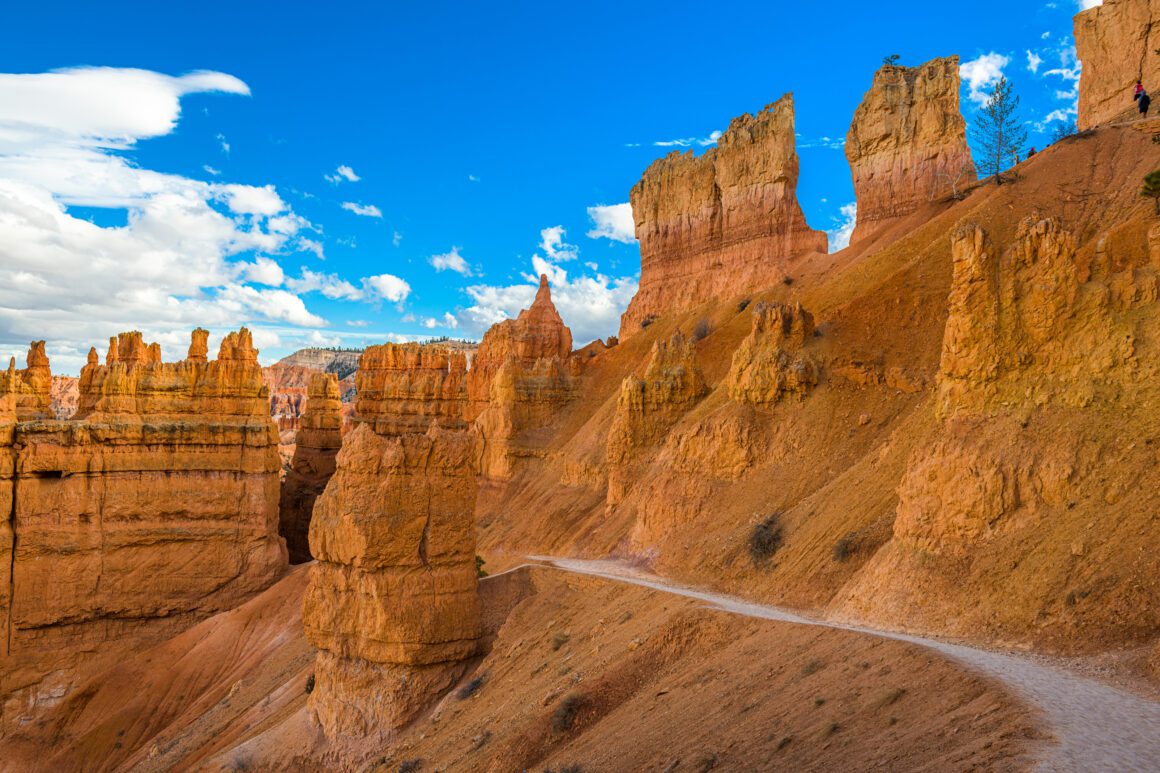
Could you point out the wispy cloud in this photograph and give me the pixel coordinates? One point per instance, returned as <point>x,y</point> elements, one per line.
<point>365,210</point>
<point>687,142</point>
<point>343,174</point>
<point>1033,61</point>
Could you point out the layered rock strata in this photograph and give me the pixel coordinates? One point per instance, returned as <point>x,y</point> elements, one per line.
<point>647,407</point>
<point>770,363</point>
<point>1116,43</point>
<point>522,374</point>
<point>30,386</point>
<point>154,506</point>
<point>404,388</point>
<point>722,223</point>
<point>393,601</point>
<point>319,439</point>
<point>907,144</point>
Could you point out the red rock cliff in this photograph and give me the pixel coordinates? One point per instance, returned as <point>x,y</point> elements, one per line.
<point>907,143</point>
<point>153,507</point>
<point>1116,42</point>
<point>722,223</point>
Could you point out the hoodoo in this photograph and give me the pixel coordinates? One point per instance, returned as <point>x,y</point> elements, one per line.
<point>907,144</point>
<point>152,508</point>
<point>1116,43</point>
<point>722,223</point>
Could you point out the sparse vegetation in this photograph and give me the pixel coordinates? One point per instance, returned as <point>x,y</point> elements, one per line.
<point>479,571</point>
<point>743,305</point>
<point>565,714</point>
<point>890,698</point>
<point>310,684</point>
<point>843,548</point>
<point>787,280</point>
<point>572,767</point>
<point>1151,189</point>
<point>480,740</point>
<point>765,539</point>
<point>559,640</point>
<point>647,321</point>
<point>704,762</point>
<point>819,702</point>
<point>471,688</point>
<point>829,730</point>
<point>784,742</point>
<point>891,61</point>
<point>812,667</point>
<point>411,766</point>
<point>1063,130</point>
<point>625,617</point>
<point>999,132</point>
<point>700,330</point>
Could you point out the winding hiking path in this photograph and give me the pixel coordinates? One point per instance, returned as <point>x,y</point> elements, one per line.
<point>1096,727</point>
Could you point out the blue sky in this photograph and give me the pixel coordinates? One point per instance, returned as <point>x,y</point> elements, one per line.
<point>402,170</point>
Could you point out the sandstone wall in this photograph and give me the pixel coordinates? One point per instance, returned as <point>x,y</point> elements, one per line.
<point>153,506</point>
<point>393,601</point>
<point>722,223</point>
<point>404,388</point>
<point>769,364</point>
<point>1116,42</point>
<point>318,442</point>
<point>907,144</point>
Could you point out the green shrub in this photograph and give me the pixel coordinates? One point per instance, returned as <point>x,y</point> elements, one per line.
<point>765,539</point>
<point>565,714</point>
<point>310,684</point>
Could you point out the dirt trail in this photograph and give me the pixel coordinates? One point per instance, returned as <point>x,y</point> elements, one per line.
<point>1096,726</point>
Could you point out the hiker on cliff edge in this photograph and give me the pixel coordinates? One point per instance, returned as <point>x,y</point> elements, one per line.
<point>1144,102</point>
<point>1137,91</point>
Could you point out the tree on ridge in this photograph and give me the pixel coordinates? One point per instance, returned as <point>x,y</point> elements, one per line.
<point>999,132</point>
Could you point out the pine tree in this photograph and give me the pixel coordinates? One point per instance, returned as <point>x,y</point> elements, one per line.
<point>1151,188</point>
<point>998,132</point>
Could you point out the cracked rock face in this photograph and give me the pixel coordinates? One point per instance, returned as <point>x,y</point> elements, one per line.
<point>1116,42</point>
<point>907,144</point>
<point>722,223</point>
<point>152,507</point>
<point>393,601</point>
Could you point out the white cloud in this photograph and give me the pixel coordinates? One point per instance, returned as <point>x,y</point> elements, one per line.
<point>840,236</point>
<point>309,245</point>
<point>366,210</point>
<point>318,338</point>
<point>211,171</point>
<point>357,323</point>
<point>343,173</point>
<point>66,139</point>
<point>221,138</point>
<point>450,320</point>
<point>472,178</point>
<point>553,244</point>
<point>451,261</point>
<point>685,142</point>
<point>981,74</point>
<point>612,222</point>
<point>430,323</point>
<point>1033,61</point>
<point>396,239</point>
<point>387,287</point>
<point>263,271</point>
<point>1086,4</point>
<point>329,285</point>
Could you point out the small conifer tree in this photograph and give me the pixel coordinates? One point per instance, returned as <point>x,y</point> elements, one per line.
<point>1151,188</point>
<point>998,131</point>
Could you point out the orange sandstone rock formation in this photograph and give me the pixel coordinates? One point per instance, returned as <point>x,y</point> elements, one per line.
<point>64,396</point>
<point>647,407</point>
<point>1116,42</point>
<point>720,224</point>
<point>404,388</point>
<point>907,144</point>
<point>393,601</point>
<point>769,363</point>
<point>522,374</point>
<point>154,506</point>
<point>318,441</point>
<point>31,386</point>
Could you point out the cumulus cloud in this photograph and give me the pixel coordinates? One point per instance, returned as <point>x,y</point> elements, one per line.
<point>450,261</point>
<point>1086,4</point>
<point>66,140</point>
<point>981,74</point>
<point>366,210</point>
<point>343,174</point>
<point>388,287</point>
<point>329,285</point>
<point>613,221</point>
<point>840,235</point>
<point>1033,61</point>
<point>591,304</point>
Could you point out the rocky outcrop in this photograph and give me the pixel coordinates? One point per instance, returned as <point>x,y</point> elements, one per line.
<point>31,386</point>
<point>64,396</point>
<point>318,441</point>
<point>647,407</point>
<point>722,223</point>
<point>1116,43</point>
<point>154,506</point>
<point>404,388</point>
<point>520,377</point>
<point>393,601</point>
<point>907,144</point>
<point>770,364</point>
<point>289,384</point>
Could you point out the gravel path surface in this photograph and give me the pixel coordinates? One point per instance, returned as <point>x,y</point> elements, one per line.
<point>1096,727</point>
